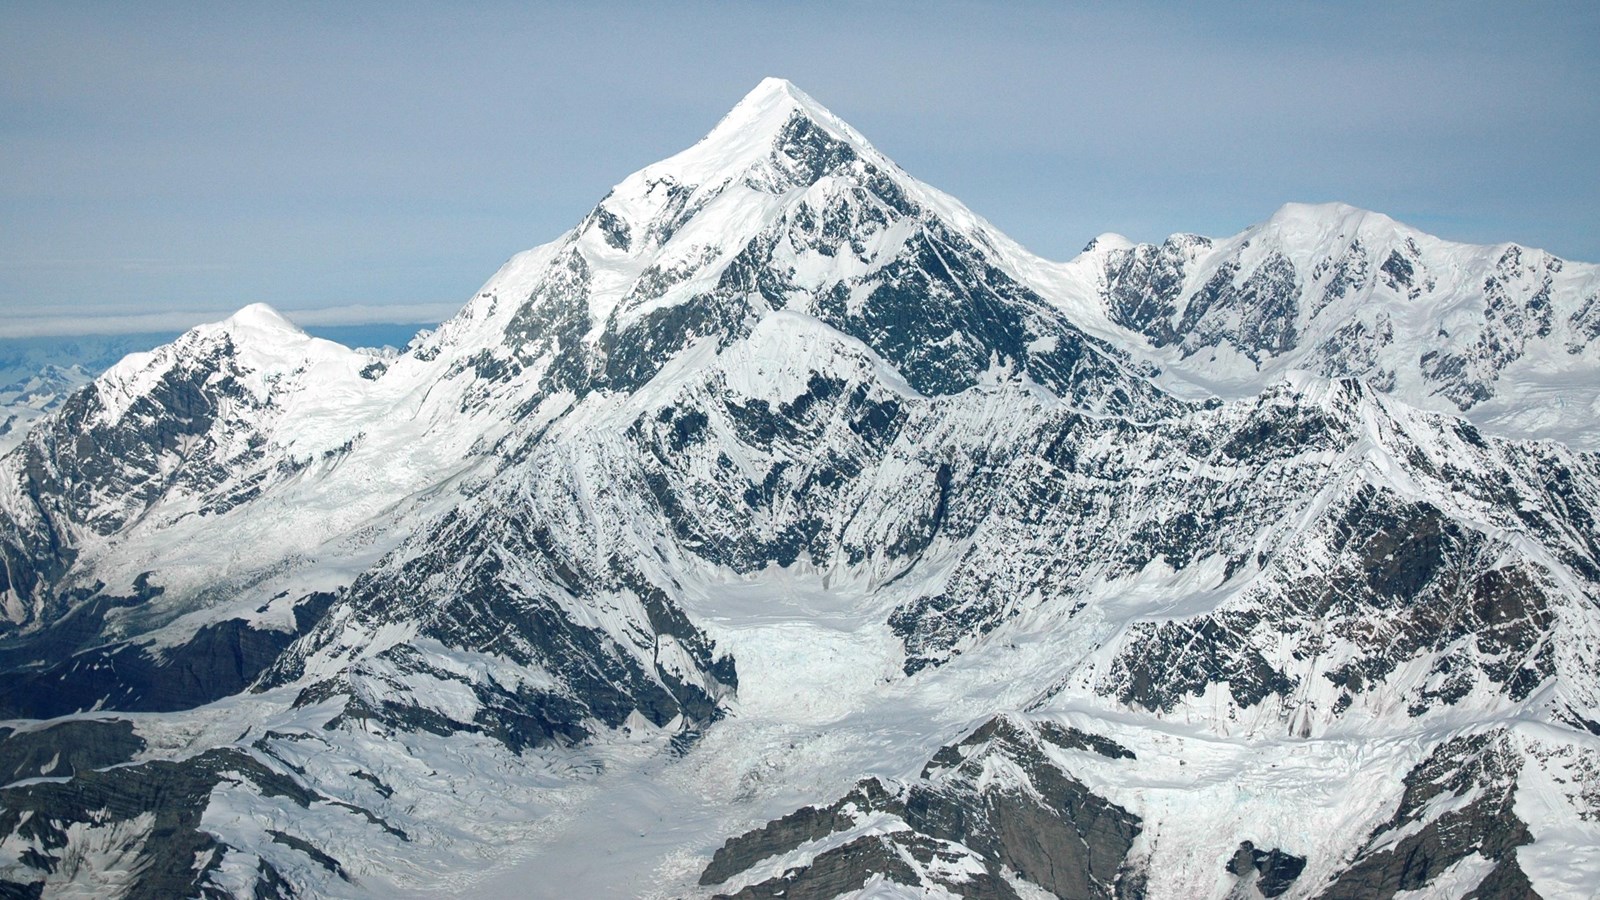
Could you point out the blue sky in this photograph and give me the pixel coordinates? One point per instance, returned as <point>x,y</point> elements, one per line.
<point>163,163</point>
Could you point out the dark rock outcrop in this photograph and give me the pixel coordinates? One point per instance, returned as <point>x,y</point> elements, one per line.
<point>1274,869</point>
<point>1049,830</point>
<point>66,748</point>
<point>173,855</point>
<point>1483,765</point>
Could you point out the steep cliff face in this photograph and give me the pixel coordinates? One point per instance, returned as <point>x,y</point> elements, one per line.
<point>783,478</point>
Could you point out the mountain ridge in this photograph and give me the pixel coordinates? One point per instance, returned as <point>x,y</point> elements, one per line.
<point>768,480</point>
<point>1501,333</point>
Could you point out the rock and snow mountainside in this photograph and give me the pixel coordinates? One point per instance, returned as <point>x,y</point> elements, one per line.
<point>1506,334</point>
<point>785,530</point>
<point>26,400</point>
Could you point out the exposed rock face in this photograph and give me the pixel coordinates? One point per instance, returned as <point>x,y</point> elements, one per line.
<point>803,826</point>
<point>217,661</point>
<point>504,583</point>
<point>1271,872</point>
<point>1455,598</point>
<point>135,828</point>
<point>955,828</point>
<point>1419,843</point>
<point>66,748</point>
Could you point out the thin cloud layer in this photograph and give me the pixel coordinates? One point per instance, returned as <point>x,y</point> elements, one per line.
<point>180,320</point>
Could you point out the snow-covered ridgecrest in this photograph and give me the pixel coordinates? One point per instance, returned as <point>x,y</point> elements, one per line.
<point>1504,334</point>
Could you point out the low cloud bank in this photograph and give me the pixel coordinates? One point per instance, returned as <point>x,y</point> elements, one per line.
<point>142,323</point>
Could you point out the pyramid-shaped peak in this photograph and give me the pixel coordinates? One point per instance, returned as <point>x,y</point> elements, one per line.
<point>779,93</point>
<point>748,133</point>
<point>772,86</point>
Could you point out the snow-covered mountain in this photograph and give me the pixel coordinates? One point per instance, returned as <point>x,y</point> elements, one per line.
<point>784,529</point>
<point>24,401</point>
<point>1505,334</point>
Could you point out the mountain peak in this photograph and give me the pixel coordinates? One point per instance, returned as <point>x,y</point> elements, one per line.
<point>747,134</point>
<point>773,87</point>
<point>1322,221</point>
<point>771,104</point>
<point>1107,242</point>
<point>261,317</point>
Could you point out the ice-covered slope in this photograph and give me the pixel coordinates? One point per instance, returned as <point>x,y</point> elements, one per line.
<point>780,471</point>
<point>1503,333</point>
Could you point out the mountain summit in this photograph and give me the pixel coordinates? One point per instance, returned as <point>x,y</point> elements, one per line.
<point>783,207</point>
<point>783,529</point>
<point>770,118</point>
